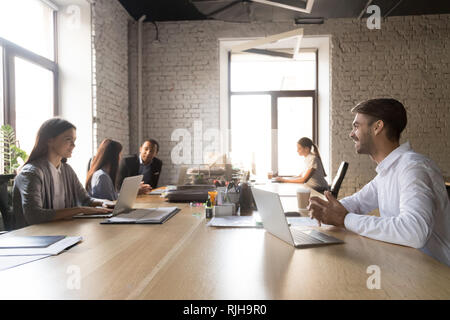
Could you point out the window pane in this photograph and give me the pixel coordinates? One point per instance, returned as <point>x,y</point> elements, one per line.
<point>295,119</point>
<point>1,102</point>
<point>255,72</point>
<point>29,24</point>
<point>1,86</point>
<point>34,100</point>
<point>251,133</point>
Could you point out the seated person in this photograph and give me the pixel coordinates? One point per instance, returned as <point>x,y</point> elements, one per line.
<point>47,188</point>
<point>145,163</point>
<point>102,176</point>
<point>408,190</point>
<point>314,174</point>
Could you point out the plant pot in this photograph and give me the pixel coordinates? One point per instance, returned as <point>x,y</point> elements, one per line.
<point>5,205</point>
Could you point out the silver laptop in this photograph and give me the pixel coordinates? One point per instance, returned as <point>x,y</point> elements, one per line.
<point>124,204</point>
<point>275,222</point>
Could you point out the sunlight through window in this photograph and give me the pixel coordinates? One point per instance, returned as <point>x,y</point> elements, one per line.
<point>34,100</point>
<point>29,24</point>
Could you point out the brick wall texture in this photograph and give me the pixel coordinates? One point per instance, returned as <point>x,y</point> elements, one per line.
<point>407,59</point>
<point>110,51</point>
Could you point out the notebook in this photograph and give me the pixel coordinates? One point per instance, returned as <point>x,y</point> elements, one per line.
<point>144,216</point>
<point>9,242</point>
<point>52,249</point>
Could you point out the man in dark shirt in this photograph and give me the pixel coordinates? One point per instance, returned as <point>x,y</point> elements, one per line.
<point>144,163</point>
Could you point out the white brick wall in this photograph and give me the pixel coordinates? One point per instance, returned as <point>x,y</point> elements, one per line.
<point>110,47</point>
<point>407,59</point>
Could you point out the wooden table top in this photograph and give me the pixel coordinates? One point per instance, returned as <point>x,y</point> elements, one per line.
<point>185,259</point>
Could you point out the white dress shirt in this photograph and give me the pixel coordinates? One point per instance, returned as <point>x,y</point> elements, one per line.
<point>58,187</point>
<point>410,193</point>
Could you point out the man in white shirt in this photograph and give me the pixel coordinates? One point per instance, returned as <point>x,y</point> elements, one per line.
<point>409,189</point>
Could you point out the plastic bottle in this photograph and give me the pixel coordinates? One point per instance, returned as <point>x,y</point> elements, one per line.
<point>208,208</point>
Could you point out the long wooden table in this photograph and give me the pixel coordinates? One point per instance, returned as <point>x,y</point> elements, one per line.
<point>185,259</point>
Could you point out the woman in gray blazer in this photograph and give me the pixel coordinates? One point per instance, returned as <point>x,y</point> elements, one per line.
<point>102,176</point>
<point>47,188</point>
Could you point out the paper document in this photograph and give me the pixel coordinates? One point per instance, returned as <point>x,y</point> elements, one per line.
<point>235,221</point>
<point>150,215</point>
<point>162,190</point>
<point>158,191</point>
<point>7,262</point>
<point>53,249</point>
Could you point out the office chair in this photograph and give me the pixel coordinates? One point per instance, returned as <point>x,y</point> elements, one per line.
<point>337,181</point>
<point>89,164</point>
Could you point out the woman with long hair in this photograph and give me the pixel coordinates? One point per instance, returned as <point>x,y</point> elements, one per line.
<point>102,176</point>
<point>314,174</point>
<point>47,188</point>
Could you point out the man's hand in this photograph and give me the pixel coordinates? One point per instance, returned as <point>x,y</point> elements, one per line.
<point>109,204</point>
<point>279,179</point>
<point>144,188</point>
<point>329,212</point>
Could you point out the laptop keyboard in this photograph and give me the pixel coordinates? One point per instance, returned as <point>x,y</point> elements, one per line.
<point>300,237</point>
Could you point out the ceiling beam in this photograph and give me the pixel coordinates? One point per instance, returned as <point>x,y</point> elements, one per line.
<point>270,53</point>
<point>267,40</point>
<point>307,9</point>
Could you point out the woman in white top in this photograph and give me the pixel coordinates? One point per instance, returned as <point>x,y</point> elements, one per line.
<point>314,174</point>
<point>47,188</point>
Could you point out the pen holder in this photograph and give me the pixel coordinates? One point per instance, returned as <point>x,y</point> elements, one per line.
<point>232,198</point>
<point>227,209</point>
<point>220,195</point>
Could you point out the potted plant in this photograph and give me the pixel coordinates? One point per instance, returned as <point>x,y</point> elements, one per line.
<point>11,157</point>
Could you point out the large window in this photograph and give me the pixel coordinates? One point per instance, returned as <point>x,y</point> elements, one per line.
<point>273,103</point>
<point>28,65</point>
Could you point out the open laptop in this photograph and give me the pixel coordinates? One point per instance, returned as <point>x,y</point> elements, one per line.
<point>124,204</point>
<point>275,222</point>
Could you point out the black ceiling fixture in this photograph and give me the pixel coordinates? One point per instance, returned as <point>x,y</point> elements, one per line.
<point>179,10</point>
<point>252,10</point>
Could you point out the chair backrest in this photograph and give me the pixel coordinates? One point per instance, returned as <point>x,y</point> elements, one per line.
<point>89,164</point>
<point>337,181</point>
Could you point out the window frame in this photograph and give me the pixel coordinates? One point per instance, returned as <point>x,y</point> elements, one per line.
<point>11,51</point>
<point>274,109</point>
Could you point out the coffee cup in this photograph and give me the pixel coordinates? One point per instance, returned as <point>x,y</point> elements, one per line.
<point>303,197</point>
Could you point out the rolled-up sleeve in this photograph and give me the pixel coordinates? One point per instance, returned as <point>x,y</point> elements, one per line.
<point>413,225</point>
<point>362,202</point>
<point>29,186</point>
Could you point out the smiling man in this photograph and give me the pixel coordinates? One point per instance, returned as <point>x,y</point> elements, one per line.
<point>409,189</point>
